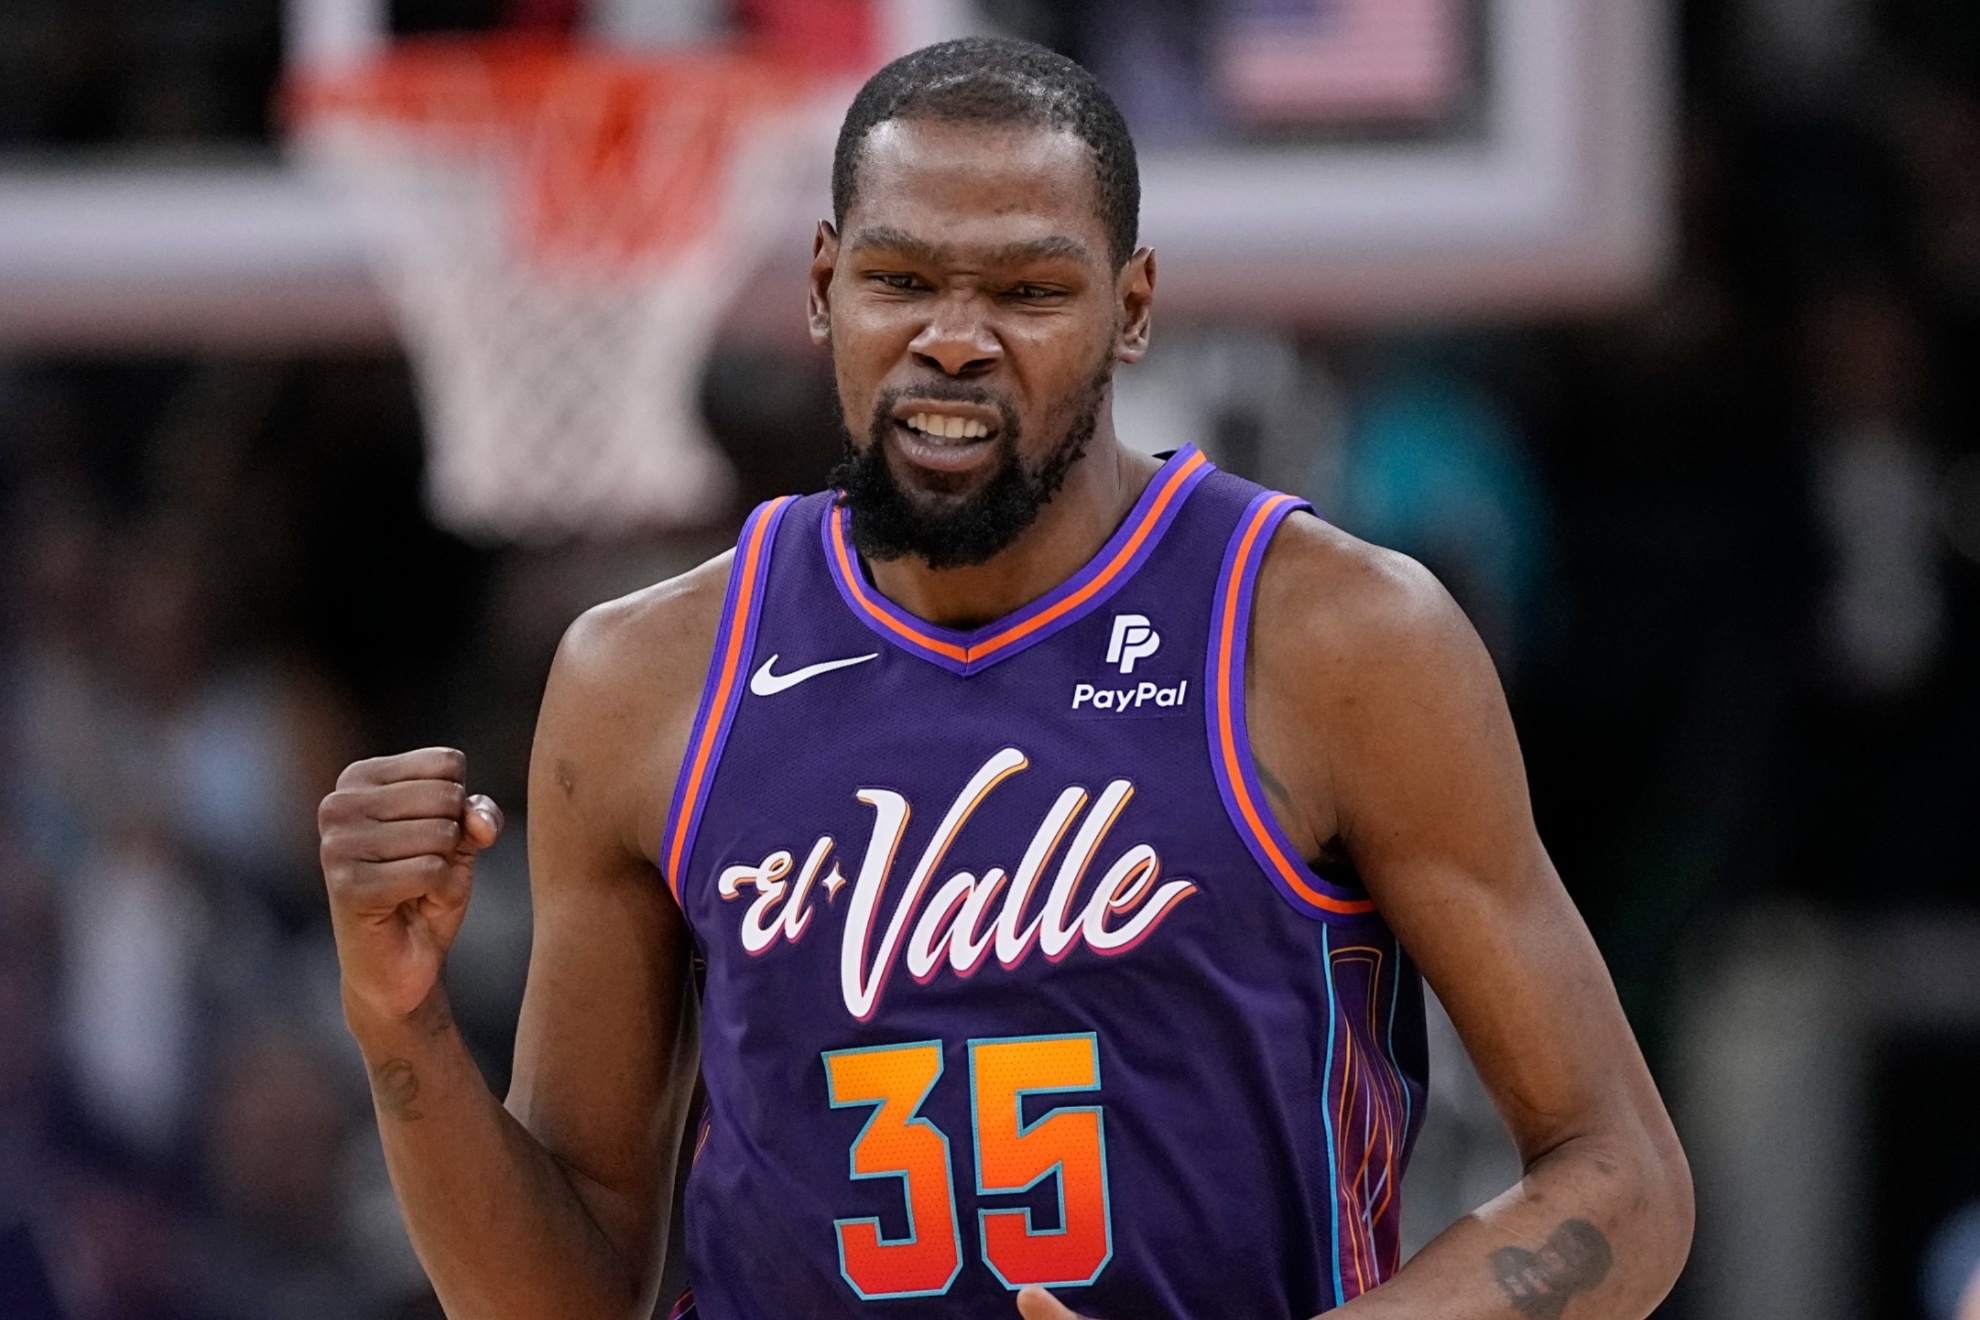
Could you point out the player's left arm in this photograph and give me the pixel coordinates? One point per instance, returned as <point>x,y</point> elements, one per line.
<point>1392,728</point>
<point>1380,730</point>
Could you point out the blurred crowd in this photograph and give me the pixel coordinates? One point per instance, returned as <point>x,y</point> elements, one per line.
<point>1725,546</point>
<point>178,1108</point>
<point>220,588</point>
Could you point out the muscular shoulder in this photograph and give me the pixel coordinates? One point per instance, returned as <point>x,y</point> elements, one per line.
<point>621,700</point>
<point>641,646</point>
<point>1341,604</point>
<point>1358,656</point>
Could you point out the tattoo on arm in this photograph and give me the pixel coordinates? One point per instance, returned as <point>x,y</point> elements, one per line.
<point>1274,786</point>
<point>396,1085</point>
<point>1540,1283</point>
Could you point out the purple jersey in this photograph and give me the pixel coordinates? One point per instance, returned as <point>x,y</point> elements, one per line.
<point>1012,977</point>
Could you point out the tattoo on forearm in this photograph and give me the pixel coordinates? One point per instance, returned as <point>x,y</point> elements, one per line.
<point>396,1085</point>
<point>1540,1283</point>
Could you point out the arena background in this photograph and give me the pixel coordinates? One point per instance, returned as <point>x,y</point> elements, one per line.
<point>1653,328</point>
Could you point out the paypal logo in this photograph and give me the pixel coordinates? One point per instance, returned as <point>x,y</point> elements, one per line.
<point>1134,639</point>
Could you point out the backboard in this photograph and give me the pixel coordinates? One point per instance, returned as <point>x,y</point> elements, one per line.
<point>1472,159</point>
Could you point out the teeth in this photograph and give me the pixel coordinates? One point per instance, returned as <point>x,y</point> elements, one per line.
<point>948,428</point>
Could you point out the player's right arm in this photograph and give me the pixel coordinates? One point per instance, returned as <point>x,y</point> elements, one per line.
<point>553,1204</point>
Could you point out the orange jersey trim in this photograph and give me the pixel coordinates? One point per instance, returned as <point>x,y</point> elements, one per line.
<point>749,566</point>
<point>1177,480</point>
<point>1238,773</point>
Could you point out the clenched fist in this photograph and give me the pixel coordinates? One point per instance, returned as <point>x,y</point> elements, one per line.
<point>400,834</point>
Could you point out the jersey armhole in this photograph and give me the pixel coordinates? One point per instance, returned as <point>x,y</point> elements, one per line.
<point>721,691</point>
<point>1230,744</point>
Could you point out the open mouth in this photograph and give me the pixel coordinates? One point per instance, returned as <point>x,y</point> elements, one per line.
<point>946,436</point>
<point>937,426</point>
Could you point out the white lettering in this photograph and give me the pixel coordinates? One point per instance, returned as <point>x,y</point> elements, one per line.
<point>1121,889</point>
<point>968,941</point>
<point>890,818</point>
<point>797,911</point>
<point>1013,943</point>
<point>1060,925</point>
<point>768,878</point>
<point>860,981</point>
<point>1123,699</point>
<point>935,929</point>
<point>967,918</point>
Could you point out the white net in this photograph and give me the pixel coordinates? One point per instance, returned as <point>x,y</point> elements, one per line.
<point>557,344</point>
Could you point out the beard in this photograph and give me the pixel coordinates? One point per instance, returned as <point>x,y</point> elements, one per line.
<point>959,530</point>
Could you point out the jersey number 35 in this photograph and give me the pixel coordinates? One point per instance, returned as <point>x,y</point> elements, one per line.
<point>1011,1156</point>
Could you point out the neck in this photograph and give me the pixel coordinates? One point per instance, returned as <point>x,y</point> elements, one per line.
<point>1099,491</point>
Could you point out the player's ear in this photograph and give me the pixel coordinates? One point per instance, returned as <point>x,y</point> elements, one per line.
<point>1136,290</point>
<point>824,259</point>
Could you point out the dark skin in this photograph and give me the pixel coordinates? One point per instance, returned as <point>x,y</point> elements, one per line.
<point>976,254</point>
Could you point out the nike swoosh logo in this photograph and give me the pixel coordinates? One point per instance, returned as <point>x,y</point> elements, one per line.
<point>766,684</point>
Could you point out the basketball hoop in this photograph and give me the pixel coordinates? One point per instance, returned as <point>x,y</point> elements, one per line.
<point>560,230</point>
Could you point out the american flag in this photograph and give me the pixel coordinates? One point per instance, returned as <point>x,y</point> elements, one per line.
<point>1321,61</point>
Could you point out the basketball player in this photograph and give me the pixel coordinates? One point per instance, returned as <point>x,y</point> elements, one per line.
<point>1062,830</point>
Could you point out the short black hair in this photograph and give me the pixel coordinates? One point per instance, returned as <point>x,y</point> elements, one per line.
<point>1000,80</point>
